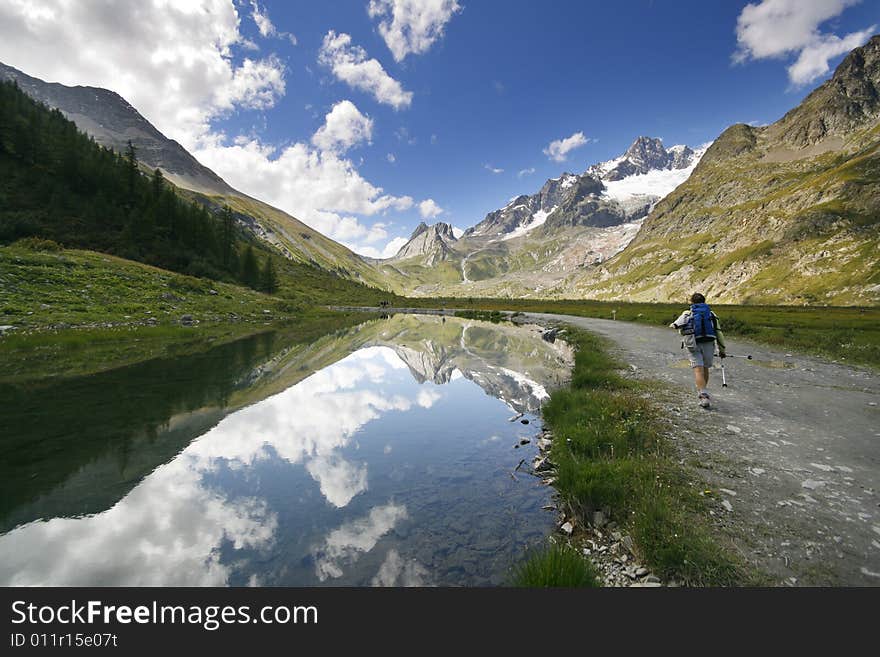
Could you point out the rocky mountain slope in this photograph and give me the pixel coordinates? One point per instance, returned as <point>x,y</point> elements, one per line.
<point>432,242</point>
<point>787,213</point>
<point>112,122</point>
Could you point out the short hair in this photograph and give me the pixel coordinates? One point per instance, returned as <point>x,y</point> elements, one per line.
<point>696,297</point>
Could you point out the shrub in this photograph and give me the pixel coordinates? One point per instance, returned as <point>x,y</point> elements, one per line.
<point>38,244</point>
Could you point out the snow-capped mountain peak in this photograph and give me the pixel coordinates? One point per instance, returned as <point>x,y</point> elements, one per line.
<point>655,182</point>
<point>644,155</point>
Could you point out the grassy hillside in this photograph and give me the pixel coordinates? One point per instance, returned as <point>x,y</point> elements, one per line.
<point>59,288</point>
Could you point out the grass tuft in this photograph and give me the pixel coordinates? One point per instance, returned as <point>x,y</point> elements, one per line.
<point>556,566</point>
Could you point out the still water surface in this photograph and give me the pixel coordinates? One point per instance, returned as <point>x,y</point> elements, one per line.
<point>377,456</point>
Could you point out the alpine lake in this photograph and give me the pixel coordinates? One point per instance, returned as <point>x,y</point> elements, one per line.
<point>379,455</point>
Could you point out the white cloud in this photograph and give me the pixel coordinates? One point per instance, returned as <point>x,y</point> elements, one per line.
<point>265,25</point>
<point>427,397</point>
<point>261,18</point>
<point>412,26</point>
<point>255,85</point>
<point>388,251</point>
<point>525,172</point>
<point>167,531</point>
<point>391,158</point>
<point>345,545</point>
<point>316,186</point>
<point>813,60</point>
<point>489,167</point>
<point>349,229</point>
<point>349,63</point>
<point>429,209</point>
<point>344,127</point>
<point>171,60</point>
<point>559,149</point>
<point>339,480</point>
<point>394,571</point>
<point>393,247</point>
<point>780,28</point>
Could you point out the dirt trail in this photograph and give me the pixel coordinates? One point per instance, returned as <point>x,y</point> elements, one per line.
<point>790,450</point>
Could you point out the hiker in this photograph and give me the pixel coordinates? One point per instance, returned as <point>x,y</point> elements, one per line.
<point>700,329</point>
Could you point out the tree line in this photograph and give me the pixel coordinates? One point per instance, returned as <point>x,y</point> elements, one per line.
<point>57,183</point>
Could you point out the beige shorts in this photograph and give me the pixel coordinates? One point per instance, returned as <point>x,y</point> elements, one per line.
<point>703,354</point>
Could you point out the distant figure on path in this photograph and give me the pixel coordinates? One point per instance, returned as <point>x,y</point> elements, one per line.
<point>700,329</point>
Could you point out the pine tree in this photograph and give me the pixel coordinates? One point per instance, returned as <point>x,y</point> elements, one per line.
<point>227,235</point>
<point>131,169</point>
<point>157,182</point>
<point>268,277</point>
<point>250,272</point>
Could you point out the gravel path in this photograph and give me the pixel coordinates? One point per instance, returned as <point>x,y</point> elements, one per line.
<point>790,451</point>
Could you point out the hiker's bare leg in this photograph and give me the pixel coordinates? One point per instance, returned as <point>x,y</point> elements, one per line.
<point>706,376</point>
<point>701,377</point>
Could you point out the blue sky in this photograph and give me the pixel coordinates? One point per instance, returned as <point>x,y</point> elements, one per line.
<point>441,109</point>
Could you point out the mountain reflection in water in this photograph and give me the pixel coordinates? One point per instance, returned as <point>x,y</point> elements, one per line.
<point>389,465</point>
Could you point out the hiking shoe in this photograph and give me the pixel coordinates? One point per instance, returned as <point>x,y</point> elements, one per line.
<point>704,400</point>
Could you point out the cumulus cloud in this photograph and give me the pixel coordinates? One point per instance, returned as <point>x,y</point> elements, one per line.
<point>254,85</point>
<point>429,209</point>
<point>319,187</point>
<point>388,251</point>
<point>350,64</point>
<point>780,28</point>
<point>344,127</point>
<point>391,158</point>
<point>489,167</point>
<point>412,26</point>
<point>525,172</point>
<point>171,60</point>
<point>559,149</point>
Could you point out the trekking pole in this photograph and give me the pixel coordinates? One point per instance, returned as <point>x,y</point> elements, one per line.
<point>748,357</point>
<point>723,374</point>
